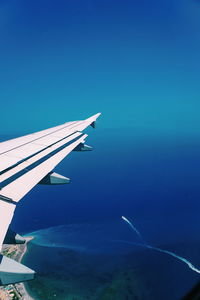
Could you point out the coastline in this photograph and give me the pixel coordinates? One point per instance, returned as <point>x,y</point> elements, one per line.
<point>18,290</point>
<point>20,287</point>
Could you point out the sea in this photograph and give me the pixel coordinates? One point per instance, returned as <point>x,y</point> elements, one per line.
<point>83,249</point>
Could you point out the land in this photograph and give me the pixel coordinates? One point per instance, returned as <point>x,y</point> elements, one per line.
<point>15,291</point>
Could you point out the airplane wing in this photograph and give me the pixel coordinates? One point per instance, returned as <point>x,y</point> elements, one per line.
<point>29,160</point>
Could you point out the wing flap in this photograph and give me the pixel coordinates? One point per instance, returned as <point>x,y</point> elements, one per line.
<point>34,159</point>
<point>14,156</point>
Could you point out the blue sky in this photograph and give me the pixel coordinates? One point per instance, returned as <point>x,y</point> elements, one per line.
<point>135,61</point>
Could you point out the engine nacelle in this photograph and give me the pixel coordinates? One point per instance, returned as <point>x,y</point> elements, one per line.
<point>54,178</point>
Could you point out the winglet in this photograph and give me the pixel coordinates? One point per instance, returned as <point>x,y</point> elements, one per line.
<point>93,119</point>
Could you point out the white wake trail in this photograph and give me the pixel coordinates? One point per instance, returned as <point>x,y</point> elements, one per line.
<point>134,228</point>
<point>146,245</point>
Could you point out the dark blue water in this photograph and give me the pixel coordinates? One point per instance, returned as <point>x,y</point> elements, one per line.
<point>153,180</point>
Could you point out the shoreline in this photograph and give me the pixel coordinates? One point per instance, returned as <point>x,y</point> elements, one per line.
<point>20,287</point>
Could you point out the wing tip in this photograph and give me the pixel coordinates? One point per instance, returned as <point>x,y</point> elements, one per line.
<point>97,115</point>
<point>93,120</point>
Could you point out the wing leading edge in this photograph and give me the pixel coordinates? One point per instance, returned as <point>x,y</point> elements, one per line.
<point>25,161</point>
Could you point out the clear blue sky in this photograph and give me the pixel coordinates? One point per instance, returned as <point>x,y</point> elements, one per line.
<point>135,61</point>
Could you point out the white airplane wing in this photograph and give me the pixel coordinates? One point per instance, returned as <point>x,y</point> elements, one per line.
<point>29,160</point>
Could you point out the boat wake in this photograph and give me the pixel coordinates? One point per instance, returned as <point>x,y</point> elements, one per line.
<point>148,246</point>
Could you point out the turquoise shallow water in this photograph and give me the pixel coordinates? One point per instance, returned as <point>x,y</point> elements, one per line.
<point>86,261</point>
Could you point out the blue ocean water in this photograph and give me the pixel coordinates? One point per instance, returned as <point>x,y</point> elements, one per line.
<point>152,180</point>
<point>90,261</point>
